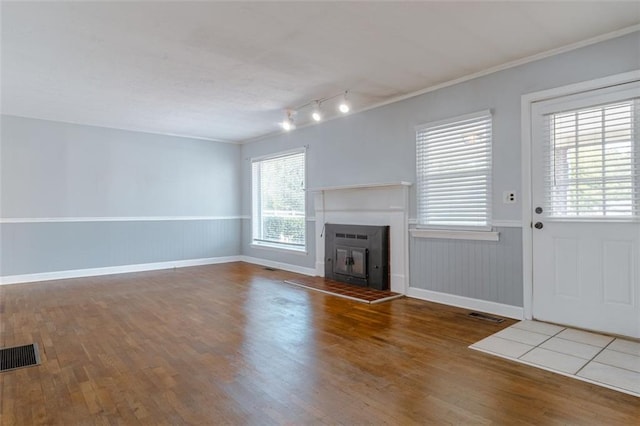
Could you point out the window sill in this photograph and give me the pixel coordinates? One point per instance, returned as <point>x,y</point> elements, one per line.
<point>278,247</point>
<point>456,235</point>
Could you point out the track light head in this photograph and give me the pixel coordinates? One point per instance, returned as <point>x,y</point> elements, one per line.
<point>317,113</point>
<point>345,106</point>
<point>288,123</point>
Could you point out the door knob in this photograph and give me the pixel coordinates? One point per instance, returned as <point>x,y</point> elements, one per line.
<point>538,225</point>
<point>539,210</point>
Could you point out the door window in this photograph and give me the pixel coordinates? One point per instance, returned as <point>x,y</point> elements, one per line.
<point>592,169</point>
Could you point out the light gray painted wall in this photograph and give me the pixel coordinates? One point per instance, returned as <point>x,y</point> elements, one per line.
<point>60,170</point>
<point>52,169</point>
<point>29,248</point>
<point>478,269</point>
<point>379,145</point>
<point>307,260</point>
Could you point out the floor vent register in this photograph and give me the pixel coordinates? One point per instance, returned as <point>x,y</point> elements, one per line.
<point>19,357</point>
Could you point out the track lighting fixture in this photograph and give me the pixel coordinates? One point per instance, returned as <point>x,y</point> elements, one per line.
<point>317,115</point>
<point>344,106</point>
<point>288,123</point>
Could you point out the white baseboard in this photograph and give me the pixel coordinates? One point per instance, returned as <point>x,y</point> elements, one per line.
<point>279,265</point>
<point>398,283</point>
<point>92,272</point>
<point>495,308</point>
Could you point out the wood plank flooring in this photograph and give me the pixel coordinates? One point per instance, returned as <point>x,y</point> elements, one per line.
<point>233,344</point>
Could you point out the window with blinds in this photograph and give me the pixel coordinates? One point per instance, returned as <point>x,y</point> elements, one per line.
<point>454,172</point>
<point>593,161</point>
<point>279,201</point>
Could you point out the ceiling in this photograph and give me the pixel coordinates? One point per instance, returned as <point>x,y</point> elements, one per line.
<point>228,70</point>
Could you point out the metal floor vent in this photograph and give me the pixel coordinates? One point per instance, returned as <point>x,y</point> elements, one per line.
<point>19,357</point>
<point>485,317</point>
<point>268,268</point>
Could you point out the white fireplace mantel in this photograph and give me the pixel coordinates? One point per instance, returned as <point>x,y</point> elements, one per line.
<point>385,204</point>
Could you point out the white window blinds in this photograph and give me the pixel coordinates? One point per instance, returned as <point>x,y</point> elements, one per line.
<point>454,172</point>
<point>593,161</point>
<point>279,200</point>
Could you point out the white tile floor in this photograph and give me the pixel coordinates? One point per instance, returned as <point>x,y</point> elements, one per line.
<point>603,360</point>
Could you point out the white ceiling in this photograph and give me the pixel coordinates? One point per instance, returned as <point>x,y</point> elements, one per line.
<point>227,71</point>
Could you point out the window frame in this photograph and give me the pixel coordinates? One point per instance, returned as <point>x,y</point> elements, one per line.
<point>256,210</point>
<point>430,230</point>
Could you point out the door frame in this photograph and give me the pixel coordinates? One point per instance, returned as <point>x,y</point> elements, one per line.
<point>526,144</point>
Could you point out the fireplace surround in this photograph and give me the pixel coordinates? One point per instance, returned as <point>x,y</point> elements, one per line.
<point>357,254</point>
<point>377,204</point>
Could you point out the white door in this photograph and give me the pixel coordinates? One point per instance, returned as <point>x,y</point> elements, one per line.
<point>585,192</point>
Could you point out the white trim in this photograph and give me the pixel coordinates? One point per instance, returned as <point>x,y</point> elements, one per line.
<point>455,235</point>
<point>286,153</point>
<point>279,265</point>
<point>495,308</point>
<point>400,283</point>
<point>527,217</point>
<point>447,121</point>
<point>507,223</point>
<point>113,219</point>
<point>136,130</point>
<point>93,272</point>
<point>495,223</point>
<point>583,86</point>
<point>390,209</point>
<point>311,219</point>
<point>488,71</point>
<point>360,186</point>
<point>525,110</point>
<point>277,247</point>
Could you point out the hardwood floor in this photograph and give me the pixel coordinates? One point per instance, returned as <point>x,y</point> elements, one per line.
<point>234,344</point>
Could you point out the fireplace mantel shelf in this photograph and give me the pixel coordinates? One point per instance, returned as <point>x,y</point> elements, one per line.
<point>359,186</point>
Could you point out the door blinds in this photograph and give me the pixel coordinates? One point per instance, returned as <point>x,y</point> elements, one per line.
<point>593,161</point>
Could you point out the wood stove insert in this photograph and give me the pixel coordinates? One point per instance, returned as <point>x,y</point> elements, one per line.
<point>357,254</point>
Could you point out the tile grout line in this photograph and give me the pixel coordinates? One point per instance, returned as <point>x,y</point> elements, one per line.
<point>623,352</point>
<point>538,345</point>
<point>523,343</point>
<point>582,343</point>
<point>554,370</point>
<point>608,364</point>
<point>594,357</point>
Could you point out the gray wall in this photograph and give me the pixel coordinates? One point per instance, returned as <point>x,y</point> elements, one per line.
<point>29,248</point>
<point>379,145</point>
<point>64,171</point>
<point>478,269</point>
